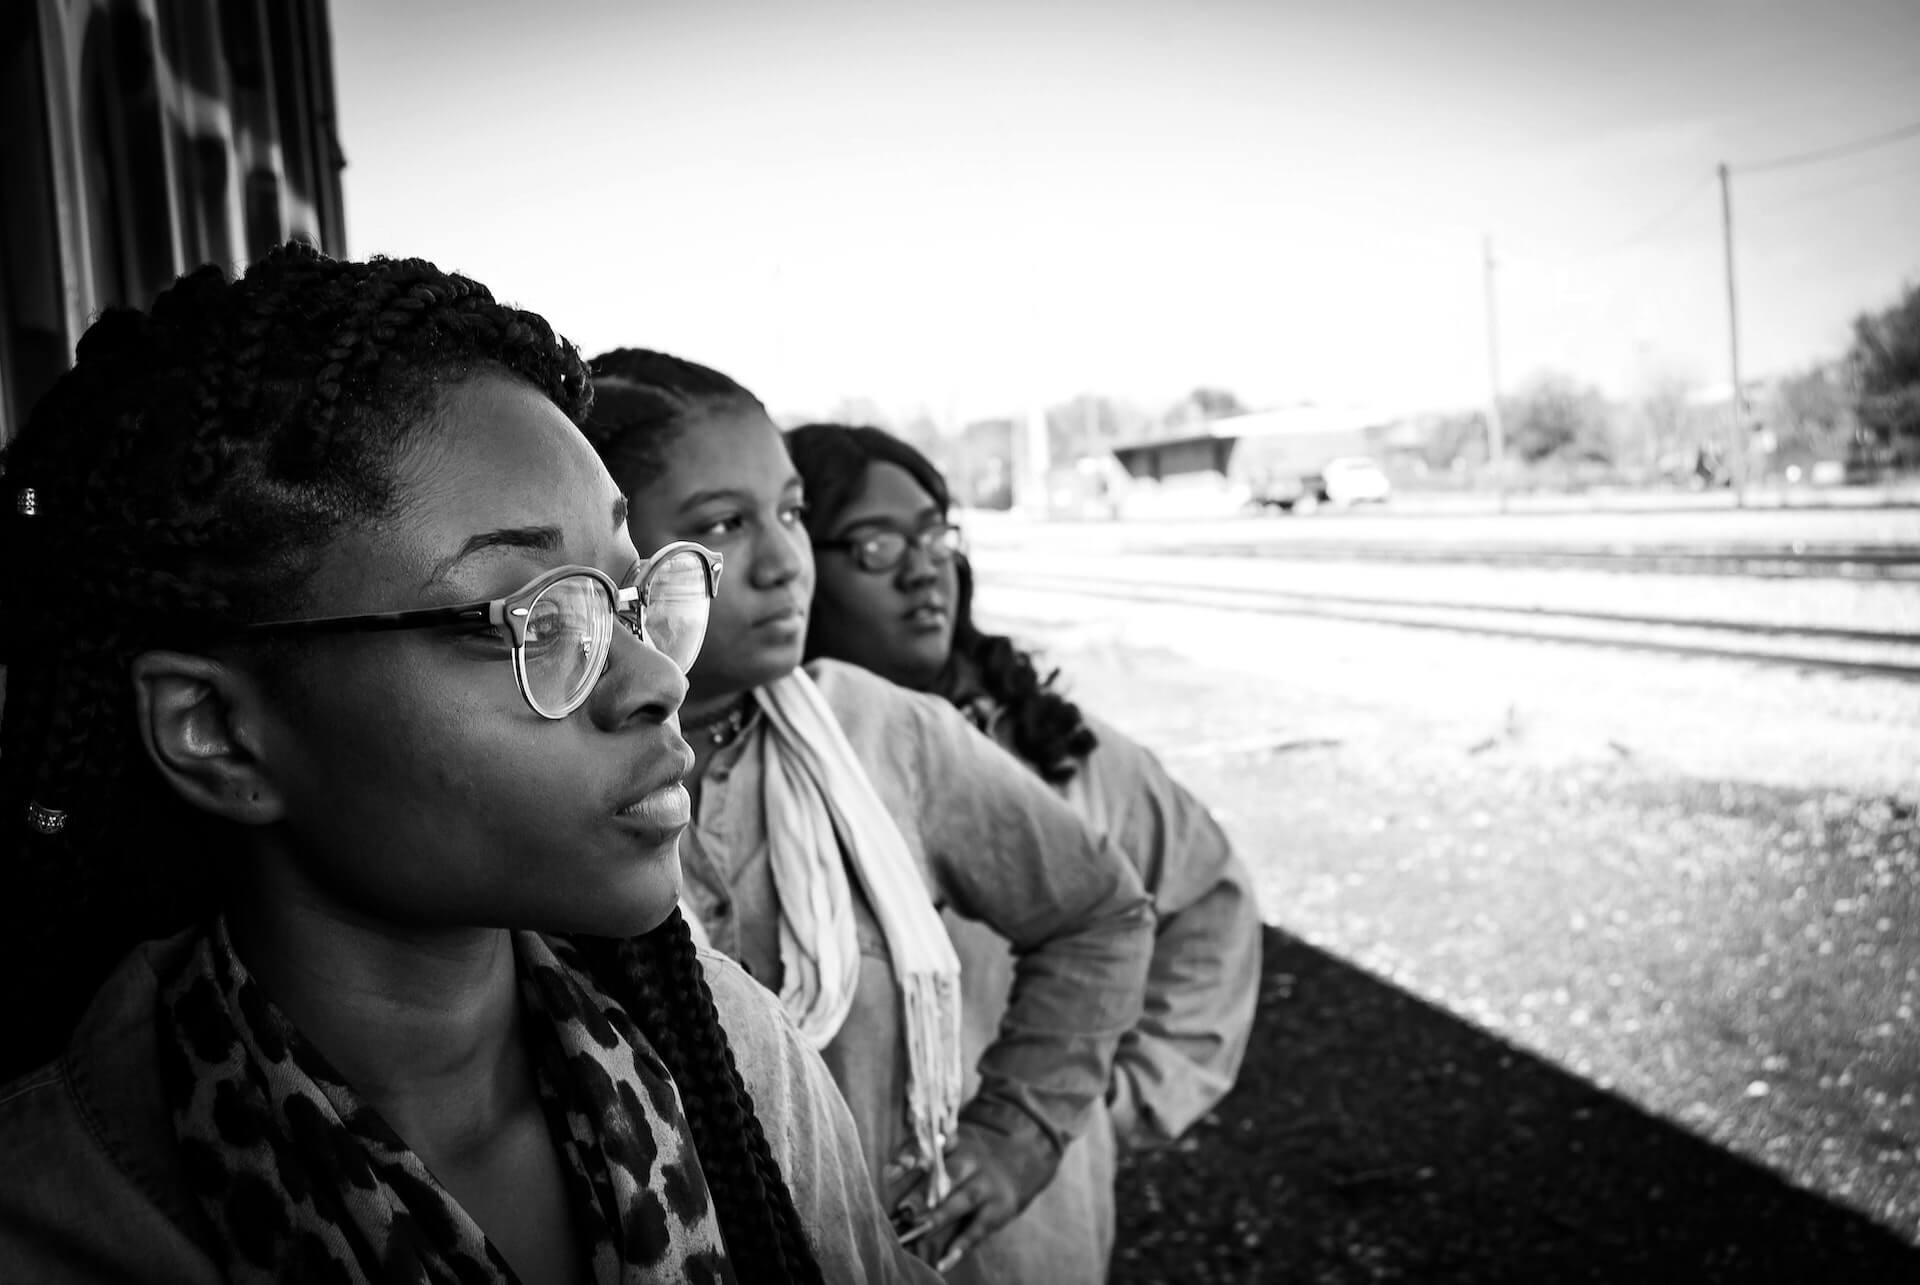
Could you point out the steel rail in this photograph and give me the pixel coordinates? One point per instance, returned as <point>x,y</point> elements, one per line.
<point>1361,610</point>
<point>1865,562</point>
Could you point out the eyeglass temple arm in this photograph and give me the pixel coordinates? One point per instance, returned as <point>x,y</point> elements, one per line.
<point>489,612</point>
<point>475,612</point>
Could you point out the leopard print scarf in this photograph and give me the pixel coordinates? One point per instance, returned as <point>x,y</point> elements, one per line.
<point>303,1181</point>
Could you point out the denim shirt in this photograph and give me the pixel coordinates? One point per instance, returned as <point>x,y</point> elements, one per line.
<point>1182,1056</point>
<point>994,845</point>
<point>92,1190</point>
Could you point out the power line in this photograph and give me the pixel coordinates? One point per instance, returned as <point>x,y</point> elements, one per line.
<point>1661,220</point>
<point>1834,152</point>
<point>1810,196</point>
<point>1644,232</point>
<point>1668,214</point>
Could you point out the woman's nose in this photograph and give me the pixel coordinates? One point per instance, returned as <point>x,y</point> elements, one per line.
<point>917,564</point>
<point>640,683</point>
<point>779,554</point>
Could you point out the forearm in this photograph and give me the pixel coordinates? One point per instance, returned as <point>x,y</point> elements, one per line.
<point>1181,1058</point>
<point>1074,998</point>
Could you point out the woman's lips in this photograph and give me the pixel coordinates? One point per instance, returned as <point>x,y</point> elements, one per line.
<point>665,807</point>
<point>927,613</point>
<point>662,811</point>
<point>927,617</point>
<point>787,618</point>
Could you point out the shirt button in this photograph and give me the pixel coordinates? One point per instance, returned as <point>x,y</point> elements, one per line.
<point>721,908</point>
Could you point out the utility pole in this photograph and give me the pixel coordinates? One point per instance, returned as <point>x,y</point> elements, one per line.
<point>1035,501</point>
<point>1496,434</point>
<point>1738,454</point>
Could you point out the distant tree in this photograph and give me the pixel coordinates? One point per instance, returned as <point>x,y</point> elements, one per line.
<point>1445,439</point>
<point>1090,424</point>
<point>1216,403</point>
<point>1664,420</point>
<point>1813,414</point>
<point>984,477</point>
<point>858,411</point>
<point>1199,406</point>
<point>1886,364</point>
<point>923,432</point>
<point>1553,417</point>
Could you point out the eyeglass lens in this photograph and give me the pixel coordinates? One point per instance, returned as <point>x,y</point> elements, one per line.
<point>675,606</point>
<point>570,628</point>
<point>885,550</point>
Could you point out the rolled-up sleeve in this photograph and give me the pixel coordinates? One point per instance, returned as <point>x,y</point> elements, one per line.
<point>1005,850</point>
<point>1203,985</point>
<point>811,1134</point>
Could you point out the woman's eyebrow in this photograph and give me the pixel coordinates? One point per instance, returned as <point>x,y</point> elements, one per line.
<point>925,517</point>
<point>699,498</point>
<point>543,539</point>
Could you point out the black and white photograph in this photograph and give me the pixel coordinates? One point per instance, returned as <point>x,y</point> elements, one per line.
<point>1106,642</point>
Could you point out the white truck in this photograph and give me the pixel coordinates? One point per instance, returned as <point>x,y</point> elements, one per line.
<point>1302,457</point>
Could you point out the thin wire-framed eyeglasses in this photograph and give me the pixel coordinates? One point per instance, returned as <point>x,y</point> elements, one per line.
<point>882,550</point>
<point>561,622</point>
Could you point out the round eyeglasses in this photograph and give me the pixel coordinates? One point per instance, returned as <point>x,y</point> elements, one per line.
<point>882,550</point>
<point>561,622</point>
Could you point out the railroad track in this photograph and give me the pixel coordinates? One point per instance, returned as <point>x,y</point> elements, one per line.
<point>1863,652</point>
<point>1845,562</point>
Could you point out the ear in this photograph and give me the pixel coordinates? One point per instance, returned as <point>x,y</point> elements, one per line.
<point>201,721</point>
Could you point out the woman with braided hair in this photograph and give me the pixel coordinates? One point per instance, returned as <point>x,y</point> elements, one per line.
<point>893,593</point>
<point>837,816</point>
<point>340,696</point>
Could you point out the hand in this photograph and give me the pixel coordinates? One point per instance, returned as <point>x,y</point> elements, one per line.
<point>983,1199</point>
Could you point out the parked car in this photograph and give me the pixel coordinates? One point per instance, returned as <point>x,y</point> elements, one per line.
<point>1353,479</point>
<point>1343,481</point>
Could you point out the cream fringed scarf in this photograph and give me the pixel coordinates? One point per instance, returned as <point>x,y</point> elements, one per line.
<point>819,804</point>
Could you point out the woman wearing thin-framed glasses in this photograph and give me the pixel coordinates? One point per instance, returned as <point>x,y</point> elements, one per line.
<point>340,805</point>
<point>893,593</point>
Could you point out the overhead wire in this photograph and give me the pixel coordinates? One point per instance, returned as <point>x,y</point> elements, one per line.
<point>1832,153</point>
<point>1814,156</point>
<point>1660,221</point>
<point>1644,232</point>
<point>1812,196</point>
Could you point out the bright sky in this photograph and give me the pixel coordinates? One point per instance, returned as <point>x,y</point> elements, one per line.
<point>974,206</point>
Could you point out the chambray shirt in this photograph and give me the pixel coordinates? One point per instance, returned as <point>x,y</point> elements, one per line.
<point>994,845</point>
<point>92,1191</point>
<point>1182,1056</point>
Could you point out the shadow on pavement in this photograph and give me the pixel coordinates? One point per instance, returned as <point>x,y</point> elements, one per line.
<point>1374,1137</point>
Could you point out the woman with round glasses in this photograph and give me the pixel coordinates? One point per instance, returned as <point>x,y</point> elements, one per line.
<point>893,593</point>
<point>341,698</point>
<point>837,816</point>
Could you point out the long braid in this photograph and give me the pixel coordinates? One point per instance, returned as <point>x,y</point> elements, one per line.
<point>1047,729</point>
<point>659,980</point>
<point>184,475</point>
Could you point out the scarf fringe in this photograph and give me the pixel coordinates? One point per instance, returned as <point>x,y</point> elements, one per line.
<point>820,797</point>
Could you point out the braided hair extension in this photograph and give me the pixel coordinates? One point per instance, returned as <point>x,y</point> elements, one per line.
<point>1048,730</point>
<point>643,400</point>
<point>662,974</point>
<point>185,476</point>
